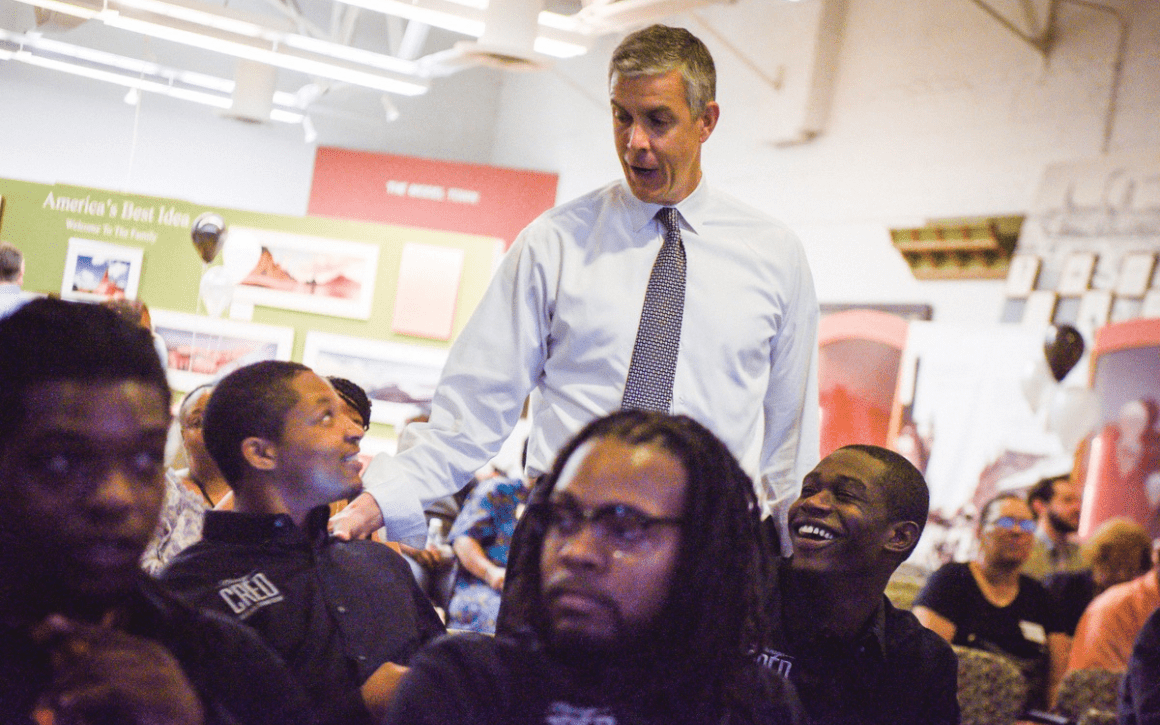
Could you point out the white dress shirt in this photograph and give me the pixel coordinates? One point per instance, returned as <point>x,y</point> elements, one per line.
<point>559,321</point>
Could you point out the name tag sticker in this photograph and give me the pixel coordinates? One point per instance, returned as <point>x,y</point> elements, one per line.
<point>1033,632</point>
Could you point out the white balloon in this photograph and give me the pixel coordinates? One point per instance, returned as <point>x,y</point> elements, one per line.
<point>1037,382</point>
<point>240,254</point>
<point>217,290</point>
<point>1074,413</point>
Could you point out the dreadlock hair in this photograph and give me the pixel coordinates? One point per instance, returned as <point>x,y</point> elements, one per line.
<point>715,617</point>
<point>353,395</point>
<point>49,340</point>
<point>251,401</point>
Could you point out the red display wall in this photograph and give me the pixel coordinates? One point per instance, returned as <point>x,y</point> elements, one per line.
<point>407,191</point>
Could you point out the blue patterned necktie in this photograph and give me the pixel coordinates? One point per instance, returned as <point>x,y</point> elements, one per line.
<point>654,355</point>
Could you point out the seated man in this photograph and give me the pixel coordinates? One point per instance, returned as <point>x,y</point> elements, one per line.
<point>344,615</point>
<point>1118,551</point>
<point>853,657</point>
<point>85,635</point>
<point>1055,502</point>
<point>638,598</point>
<point>1109,626</point>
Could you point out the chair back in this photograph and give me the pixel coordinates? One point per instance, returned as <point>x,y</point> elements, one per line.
<point>992,690</point>
<point>1081,691</point>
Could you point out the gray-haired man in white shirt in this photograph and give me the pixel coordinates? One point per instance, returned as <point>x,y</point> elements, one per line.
<point>561,320</point>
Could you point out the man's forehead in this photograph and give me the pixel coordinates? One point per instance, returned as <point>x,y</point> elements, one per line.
<point>94,407</point>
<point>606,471</point>
<point>850,464</point>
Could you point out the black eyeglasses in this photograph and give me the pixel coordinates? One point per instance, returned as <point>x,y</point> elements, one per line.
<point>617,524</point>
<point>1010,523</point>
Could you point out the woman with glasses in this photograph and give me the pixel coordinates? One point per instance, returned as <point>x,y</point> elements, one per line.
<point>989,604</point>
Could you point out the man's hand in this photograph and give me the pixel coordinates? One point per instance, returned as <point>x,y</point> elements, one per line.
<point>358,520</point>
<point>433,558</point>
<point>495,577</point>
<point>380,687</point>
<point>102,676</point>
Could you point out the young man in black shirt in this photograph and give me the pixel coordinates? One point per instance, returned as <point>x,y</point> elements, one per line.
<point>85,635</point>
<point>854,658</point>
<point>638,598</point>
<point>346,616</point>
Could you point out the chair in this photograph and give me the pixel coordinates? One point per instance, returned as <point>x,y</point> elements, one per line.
<point>1088,693</point>
<point>992,690</point>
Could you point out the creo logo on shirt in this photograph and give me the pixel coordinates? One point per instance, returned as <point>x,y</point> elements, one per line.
<point>247,594</point>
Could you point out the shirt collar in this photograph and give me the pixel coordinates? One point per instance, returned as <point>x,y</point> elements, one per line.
<point>234,527</point>
<point>691,208</point>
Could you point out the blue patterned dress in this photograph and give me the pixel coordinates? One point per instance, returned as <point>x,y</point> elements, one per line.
<point>489,517</point>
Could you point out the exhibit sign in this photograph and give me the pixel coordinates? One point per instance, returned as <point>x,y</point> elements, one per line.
<point>429,194</point>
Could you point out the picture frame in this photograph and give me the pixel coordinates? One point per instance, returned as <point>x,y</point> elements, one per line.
<point>202,349</point>
<point>1022,275</point>
<point>1151,304</point>
<point>309,274</point>
<point>98,271</point>
<point>1094,309</point>
<point>1135,274</point>
<point>399,378</point>
<point>1124,308</point>
<point>1040,309</point>
<point>1075,278</point>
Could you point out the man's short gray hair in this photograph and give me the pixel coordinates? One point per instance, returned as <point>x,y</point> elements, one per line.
<point>10,262</point>
<point>659,49</point>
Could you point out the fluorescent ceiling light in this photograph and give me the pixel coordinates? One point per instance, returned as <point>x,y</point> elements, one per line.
<point>558,35</point>
<point>239,38</point>
<point>135,75</point>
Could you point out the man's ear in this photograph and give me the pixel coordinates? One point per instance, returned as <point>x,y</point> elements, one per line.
<point>260,453</point>
<point>903,536</point>
<point>708,119</point>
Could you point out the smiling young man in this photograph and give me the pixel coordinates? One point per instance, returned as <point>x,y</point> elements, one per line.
<point>344,615</point>
<point>562,319</point>
<point>638,598</point>
<point>85,635</point>
<point>854,658</point>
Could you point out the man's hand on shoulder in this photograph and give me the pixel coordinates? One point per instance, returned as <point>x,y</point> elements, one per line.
<point>102,675</point>
<point>358,520</point>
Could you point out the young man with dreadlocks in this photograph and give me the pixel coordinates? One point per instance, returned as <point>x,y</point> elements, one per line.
<point>637,599</point>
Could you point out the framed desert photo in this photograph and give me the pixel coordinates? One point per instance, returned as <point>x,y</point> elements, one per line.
<point>1135,274</point>
<point>201,349</point>
<point>96,271</point>
<point>1021,275</point>
<point>310,274</point>
<point>400,379</point>
<point>1076,274</point>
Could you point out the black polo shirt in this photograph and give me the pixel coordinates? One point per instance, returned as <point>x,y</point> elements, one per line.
<point>235,675</point>
<point>335,610</point>
<point>895,672</point>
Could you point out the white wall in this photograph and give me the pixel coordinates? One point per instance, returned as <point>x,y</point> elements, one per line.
<point>936,111</point>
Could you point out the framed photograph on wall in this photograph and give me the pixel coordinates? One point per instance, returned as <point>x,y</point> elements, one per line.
<point>1094,310</point>
<point>202,349</point>
<point>1124,308</point>
<point>1135,274</point>
<point>1022,274</point>
<point>96,271</point>
<point>1077,273</point>
<point>309,274</point>
<point>400,379</point>
<point>1040,309</point>
<point>1151,304</point>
